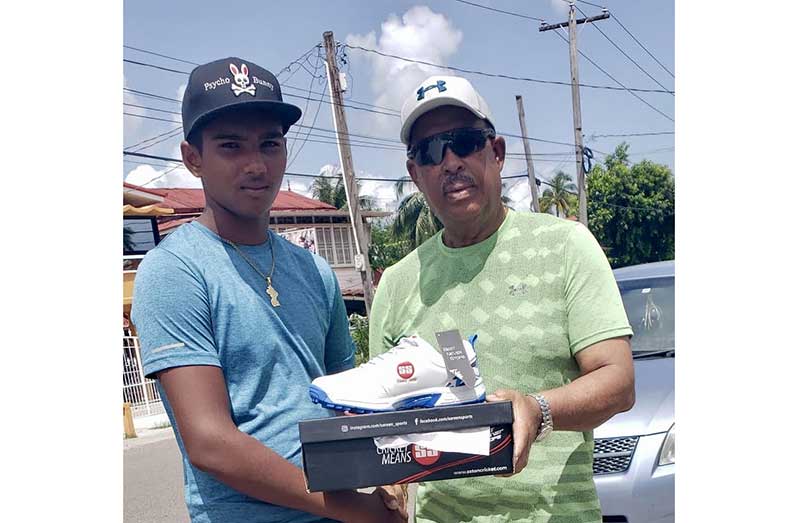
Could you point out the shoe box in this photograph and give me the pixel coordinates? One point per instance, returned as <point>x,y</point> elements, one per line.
<point>340,453</point>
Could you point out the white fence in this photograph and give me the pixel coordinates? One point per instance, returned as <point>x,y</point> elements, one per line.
<point>140,392</point>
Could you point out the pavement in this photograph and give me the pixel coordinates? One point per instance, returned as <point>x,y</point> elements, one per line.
<point>153,479</point>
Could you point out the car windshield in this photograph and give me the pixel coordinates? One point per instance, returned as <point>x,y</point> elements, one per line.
<point>649,304</point>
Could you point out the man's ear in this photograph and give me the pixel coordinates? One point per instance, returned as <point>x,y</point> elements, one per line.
<point>499,149</point>
<point>192,158</point>
<point>411,170</point>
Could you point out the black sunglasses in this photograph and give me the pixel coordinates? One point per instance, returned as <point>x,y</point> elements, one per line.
<point>462,142</point>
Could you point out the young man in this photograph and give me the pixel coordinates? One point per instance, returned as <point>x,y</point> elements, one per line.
<point>539,292</point>
<point>235,322</point>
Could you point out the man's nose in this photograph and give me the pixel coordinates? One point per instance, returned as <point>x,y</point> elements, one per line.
<point>451,163</point>
<point>256,164</point>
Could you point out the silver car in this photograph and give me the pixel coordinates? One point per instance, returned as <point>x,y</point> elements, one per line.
<point>634,454</point>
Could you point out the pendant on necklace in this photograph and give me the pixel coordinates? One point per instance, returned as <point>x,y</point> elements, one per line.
<point>272,292</point>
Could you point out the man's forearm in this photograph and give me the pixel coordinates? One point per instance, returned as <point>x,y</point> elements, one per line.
<point>245,464</point>
<point>591,399</point>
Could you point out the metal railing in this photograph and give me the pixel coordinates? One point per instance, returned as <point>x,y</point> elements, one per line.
<point>140,392</point>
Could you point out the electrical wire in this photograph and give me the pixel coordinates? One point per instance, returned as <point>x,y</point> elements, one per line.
<point>610,40</point>
<point>519,15</point>
<point>641,45</point>
<point>597,66</point>
<point>154,137</point>
<point>505,76</point>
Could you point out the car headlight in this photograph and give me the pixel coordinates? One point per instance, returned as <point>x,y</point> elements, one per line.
<point>667,454</point>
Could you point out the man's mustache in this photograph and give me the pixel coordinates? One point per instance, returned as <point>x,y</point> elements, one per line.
<point>457,179</point>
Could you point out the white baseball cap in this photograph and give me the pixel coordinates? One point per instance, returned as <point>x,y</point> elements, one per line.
<point>437,91</point>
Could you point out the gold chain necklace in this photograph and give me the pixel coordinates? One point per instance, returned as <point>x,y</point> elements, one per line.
<point>271,291</point>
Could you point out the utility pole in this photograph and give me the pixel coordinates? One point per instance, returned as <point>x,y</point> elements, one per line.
<point>580,169</point>
<point>350,183</point>
<point>530,169</point>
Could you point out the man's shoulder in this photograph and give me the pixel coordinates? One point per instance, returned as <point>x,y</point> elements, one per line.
<point>186,246</point>
<point>408,267</point>
<point>543,222</point>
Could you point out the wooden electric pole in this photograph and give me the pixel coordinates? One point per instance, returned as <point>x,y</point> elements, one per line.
<point>350,183</point>
<point>580,169</point>
<point>530,168</point>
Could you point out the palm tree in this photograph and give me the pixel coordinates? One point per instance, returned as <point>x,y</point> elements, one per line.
<point>559,195</point>
<point>335,194</point>
<point>415,220</point>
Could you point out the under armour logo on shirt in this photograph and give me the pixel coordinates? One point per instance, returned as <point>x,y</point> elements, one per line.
<point>440,84</point>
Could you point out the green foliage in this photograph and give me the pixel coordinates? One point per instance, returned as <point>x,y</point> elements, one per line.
<point>386,249</point>
<point>559,196</point>
<point>359,329</point>
<point>324,190</point>
<point>631,209</point>
<point>415,221</point>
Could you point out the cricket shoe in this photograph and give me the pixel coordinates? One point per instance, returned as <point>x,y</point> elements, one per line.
<point>410,375</point>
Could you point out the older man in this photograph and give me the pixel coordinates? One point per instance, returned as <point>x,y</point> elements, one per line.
<point>539,292</point>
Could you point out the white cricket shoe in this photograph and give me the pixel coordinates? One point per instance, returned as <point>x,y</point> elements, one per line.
<point>410,375</point>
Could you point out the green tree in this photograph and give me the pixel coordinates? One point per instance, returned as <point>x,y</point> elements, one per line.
<point>324,190</point>
<point>359,330</point>
<point>631,209</point>
<point>386,249</point>
<point>559,196</point>
<point>415,221</point>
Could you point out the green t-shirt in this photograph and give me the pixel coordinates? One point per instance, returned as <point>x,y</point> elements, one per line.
<point>536,292</point>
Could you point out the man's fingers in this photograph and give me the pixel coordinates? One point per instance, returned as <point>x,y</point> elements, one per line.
<point>394,499</point>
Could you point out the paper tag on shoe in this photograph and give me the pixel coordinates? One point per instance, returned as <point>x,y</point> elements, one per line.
<point>455,357</point>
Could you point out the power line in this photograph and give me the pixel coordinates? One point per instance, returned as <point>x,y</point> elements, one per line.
<point>154,137</point>
<point>150,95</point>
<point>158,54</point>
<point>588,3</point>
<point>644,47</point>
<point>658,133</point>
<point>505,76</point>
<point>134,62</point>
<point>307,103</point>
<point>143,64</point>
<point>631,91</point>
<point>150,108</point>
<point>298,60</point>
<point>178,133</point>
<point>500,11</point>
<point>150,118</point>
<point>610,40</point>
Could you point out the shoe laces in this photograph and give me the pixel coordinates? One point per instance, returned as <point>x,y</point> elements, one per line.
<point>404,342</point>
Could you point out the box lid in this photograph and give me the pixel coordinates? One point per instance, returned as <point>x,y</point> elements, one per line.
<point>406,422</point>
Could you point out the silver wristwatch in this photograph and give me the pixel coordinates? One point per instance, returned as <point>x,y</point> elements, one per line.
<point>546,424</point>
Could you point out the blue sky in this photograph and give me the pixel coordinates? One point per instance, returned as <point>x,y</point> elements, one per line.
<point>445,32</point>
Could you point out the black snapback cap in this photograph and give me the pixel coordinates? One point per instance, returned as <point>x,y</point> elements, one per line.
<point>233,82</point>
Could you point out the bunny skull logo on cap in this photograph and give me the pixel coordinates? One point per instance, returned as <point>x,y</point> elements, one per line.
<point>241,80</point>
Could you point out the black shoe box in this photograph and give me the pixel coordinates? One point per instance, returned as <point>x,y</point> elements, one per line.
<point>339,453</point>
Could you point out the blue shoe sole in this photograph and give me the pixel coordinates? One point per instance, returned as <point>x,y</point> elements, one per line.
<point>317,395</point>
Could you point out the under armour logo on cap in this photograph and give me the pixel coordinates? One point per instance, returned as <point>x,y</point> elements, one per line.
<point>440,84</point>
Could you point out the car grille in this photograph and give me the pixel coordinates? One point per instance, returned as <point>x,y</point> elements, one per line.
<point>613,455</point>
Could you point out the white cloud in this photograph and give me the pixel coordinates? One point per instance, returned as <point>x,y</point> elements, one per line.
<point>560,7</point>
<point>420,34</point>
<point>153,178</point>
